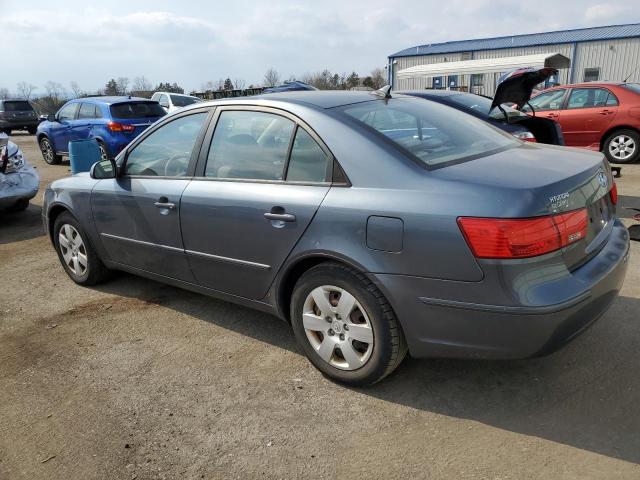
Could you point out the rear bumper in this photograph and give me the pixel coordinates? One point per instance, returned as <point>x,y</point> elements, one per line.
<point>456,324</point>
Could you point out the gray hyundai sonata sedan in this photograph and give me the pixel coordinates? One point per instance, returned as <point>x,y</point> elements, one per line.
<point>376,225</point>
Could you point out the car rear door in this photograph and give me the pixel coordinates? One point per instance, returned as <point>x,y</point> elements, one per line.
<point>588,114</point>
<point>81,127</point>
<point>261,178</point>
<point>137,214</point>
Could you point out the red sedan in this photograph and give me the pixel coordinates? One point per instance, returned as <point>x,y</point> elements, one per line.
<point>603,116</point>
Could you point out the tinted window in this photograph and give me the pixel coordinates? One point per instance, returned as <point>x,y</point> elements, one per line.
<point>17,106</point>
<point>180,101</point>
<point>482,105</point>
<point>433,133</point>
<point>87,110</point>
<point>547,101</point>
<point>130,110</point>
<point>167,151</point>
<point>68,112</point>
<point>591,97</point>
<point>251,145</point>
<point>308,162</point>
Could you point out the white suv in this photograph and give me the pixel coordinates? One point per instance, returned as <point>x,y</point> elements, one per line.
<point>173,101</point>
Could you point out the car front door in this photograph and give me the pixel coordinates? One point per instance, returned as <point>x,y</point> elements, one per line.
<point>588,114</point>
<point>547,104</point>
<point>61,128</point>
<point>137,214</point>
<point>259,184</point>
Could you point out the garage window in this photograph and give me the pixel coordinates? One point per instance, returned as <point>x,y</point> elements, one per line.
<point>591,74</point>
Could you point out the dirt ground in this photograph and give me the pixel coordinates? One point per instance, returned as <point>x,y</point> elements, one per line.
<point>137,380</point>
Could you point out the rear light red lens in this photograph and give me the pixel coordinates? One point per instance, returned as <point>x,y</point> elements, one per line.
<point>525,136</point>
<point>523,237</point>
<point>613,193</point>
<point>120,127</point>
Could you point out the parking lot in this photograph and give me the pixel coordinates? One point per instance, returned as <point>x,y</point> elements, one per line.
<point>137,380</point>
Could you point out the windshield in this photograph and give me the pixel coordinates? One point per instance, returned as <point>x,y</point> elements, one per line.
<point>130,110</point>
<point>18,106</point>
<point>482,105</point>
<point>433,133</point>
<point>634,87</point>
<point>180,101</point>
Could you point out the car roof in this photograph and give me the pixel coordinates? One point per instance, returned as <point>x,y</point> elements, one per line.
<point>111,100</point>
<point>431,93</point>
<point>173,93</point>
<point>586,84</point>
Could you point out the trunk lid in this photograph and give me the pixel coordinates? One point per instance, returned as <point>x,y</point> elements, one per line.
<point>535,180</point>
<point>517,86</point>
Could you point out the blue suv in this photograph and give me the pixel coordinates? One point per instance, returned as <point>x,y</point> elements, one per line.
<point>112,121</point>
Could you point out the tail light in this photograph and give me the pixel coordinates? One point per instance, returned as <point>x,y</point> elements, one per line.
<point>523,237</point>
<point>120,127</point>
<point>525,136</point>
<point>613,193</point>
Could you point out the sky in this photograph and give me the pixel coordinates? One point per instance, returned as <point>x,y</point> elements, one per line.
<point>191,42</point>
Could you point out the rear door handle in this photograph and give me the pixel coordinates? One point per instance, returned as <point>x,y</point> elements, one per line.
<point>283,217</point>
<point>163,202</point>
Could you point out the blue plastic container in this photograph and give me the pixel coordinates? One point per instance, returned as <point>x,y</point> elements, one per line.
<point>83,154</point>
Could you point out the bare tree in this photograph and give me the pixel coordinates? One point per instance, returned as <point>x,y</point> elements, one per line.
<point>377,78</point>
<point>4,93</point>
<point>239,83</point>
<point>54,90</point>
<point>76,91</point>
<point>141,84</point>
<point>208,85</point>
<point>25,90</point>
<point>271,78</point>
<point>123,85</point>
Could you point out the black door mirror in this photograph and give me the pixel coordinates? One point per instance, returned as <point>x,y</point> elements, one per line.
<point>103,169</point>
<point>51,117</point>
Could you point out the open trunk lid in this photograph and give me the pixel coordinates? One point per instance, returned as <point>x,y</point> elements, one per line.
<point>517,86</point>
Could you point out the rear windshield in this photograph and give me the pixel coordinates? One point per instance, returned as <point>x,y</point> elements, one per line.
<point>130,110</point>
<point>482,105</point>
<point>433,133</point>
<point>17,106</point>
<point>634,87</point>
<point>180,101</point>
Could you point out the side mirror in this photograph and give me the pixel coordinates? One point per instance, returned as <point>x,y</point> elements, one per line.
<point>51,117</point>
<point>103,169</point>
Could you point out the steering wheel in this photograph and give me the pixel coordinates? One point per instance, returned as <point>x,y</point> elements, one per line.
<point>175,167</point>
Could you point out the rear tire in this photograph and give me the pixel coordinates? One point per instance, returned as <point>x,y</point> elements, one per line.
<point>622,146</point>
<point>104,153</point>
<point>77,256</point>
<point>48,153</point>
<point>359,347</point>
<point>19,206</point>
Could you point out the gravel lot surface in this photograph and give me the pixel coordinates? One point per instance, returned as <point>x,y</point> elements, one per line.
<point>137,380</point>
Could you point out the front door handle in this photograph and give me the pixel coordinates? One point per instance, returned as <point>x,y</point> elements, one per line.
<point>163,202</point>
<point>283,217</point>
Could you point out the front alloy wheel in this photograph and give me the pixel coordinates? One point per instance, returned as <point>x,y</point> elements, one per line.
<point>73,250</point>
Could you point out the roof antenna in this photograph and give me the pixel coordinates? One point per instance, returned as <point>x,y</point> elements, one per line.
<point>629,76</point>
<point>384,92</point>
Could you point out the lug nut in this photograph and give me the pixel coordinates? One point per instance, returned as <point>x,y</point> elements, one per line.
<point>342,336</point>
<point>331,332</point>
<point>338,317</point>
<point>328,319</point>
<point>346,327</point>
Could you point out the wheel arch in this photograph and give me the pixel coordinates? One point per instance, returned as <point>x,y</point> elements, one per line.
<point>612,130</point>
<point>53,213</point>
<point>292,272</point>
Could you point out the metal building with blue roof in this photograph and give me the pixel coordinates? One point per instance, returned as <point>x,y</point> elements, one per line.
<point>587,54</point>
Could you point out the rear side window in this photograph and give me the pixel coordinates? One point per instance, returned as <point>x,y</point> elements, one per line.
<point>131,110</point>
<point>432,133</point>
<point>547,101</point>
<point>308,162</point>
<point>87,110</point>
<point>17,106</point>
<point>249,145</point>
<point>591,97</point>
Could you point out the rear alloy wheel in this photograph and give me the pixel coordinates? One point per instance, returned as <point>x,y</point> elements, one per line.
<point>345,326</point>
<point>103,151</point>
<point>76,254</point>
<point>623,146</point>
<point>48,153</point>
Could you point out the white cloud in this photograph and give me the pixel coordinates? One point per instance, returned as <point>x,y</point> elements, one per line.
<point>605,12</point>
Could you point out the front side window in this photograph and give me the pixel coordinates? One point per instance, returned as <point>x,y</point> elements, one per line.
<point>434,134</point>
<point>590,98</point>
<point>249,145</point>
<point>308,162</point>
<point>547,101</point>
<point>68,112</point>
<point>166,151</point>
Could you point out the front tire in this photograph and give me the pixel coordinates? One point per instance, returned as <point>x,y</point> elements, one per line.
<point>345,326</point>
<point>622,146</point>
<point>77,255</point>
<point>48,153</point>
